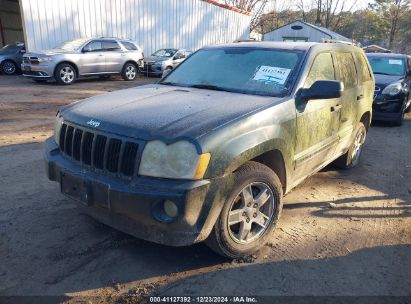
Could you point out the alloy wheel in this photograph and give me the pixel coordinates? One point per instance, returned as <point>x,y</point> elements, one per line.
<point>130,72</point>
<point>358,144</point>
<point>9,67</point>
<point>251,213</point>
<point>67,74</point>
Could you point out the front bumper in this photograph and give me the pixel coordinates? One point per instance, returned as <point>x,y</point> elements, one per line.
<point>132,205</point>
<point>152,69</point>
<point>387,108</point>
<point>38,71</point>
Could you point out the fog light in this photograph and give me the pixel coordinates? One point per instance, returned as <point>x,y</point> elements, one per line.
<point>170,208</point>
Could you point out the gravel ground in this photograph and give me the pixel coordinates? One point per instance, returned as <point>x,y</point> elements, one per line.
<point>341,232</point>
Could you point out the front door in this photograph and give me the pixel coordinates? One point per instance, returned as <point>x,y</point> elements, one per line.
<point>317,122</point>
<point>92,59</point>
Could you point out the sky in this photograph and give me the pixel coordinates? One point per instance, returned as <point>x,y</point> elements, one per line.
<point>280,4</point>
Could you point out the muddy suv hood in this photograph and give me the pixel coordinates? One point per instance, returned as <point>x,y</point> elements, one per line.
<point>159,111</point>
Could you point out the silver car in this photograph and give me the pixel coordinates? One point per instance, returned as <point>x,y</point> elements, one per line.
<point>164,60</point>
<point>84,57</point>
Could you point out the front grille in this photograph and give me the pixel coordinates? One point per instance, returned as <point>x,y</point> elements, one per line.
<point>100,151</point>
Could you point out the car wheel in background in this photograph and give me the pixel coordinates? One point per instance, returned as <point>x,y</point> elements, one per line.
<point>65,74</point>
<point>129,71</point>
<point>8,67</point>
<point>104,77</point>
<point>353,155</point>
<point>250,212</point>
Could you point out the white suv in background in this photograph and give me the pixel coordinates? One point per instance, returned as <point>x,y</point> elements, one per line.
<point>84,57</point>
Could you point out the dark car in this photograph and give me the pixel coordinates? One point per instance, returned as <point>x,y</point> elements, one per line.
<point>392,74</point>
<point>209,151</point>
<point>11,57</point>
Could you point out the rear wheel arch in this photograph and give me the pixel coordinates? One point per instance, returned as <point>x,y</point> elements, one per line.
<point>366,120</point>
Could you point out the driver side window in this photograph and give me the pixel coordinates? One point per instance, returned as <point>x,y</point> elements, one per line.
<point>94,46</point>
<point>321,69</point>
<point>179,55</point>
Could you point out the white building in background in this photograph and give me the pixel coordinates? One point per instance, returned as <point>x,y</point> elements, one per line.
<point>303,31</point>
<point>153,24</point>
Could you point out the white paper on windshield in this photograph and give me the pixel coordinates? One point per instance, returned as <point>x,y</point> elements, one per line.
<point>272,74</point>
<point>395,61</point>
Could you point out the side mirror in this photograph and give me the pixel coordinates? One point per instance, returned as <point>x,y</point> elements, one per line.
<point>322,89</point>
<point>85,50</point>
<point>409,73</point>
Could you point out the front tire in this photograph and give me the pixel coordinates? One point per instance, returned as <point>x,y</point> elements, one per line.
<point>65,74</point>
<point>250,213</point>
<point>129,72</point>
<point>9,67</point>
<point>352,157</point>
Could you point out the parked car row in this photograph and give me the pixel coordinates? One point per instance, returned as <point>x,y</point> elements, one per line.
<point>111,56</point>
<point>88,57</point>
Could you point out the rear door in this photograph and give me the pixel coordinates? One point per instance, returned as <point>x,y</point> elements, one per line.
<point>317,122</point>
<point>350,97</point>
<point>114,55</point>
<point>92,59</point>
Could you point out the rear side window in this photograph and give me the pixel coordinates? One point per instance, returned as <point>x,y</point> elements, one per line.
<point>321,69</point>
<point>129,46</point>
<point>362,67</point>
<point>346,68</point>
<point>111,46</point>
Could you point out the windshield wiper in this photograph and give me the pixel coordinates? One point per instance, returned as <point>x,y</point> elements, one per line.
<point>381,73</point>
<point>170,83</point>
<point>209,87</point>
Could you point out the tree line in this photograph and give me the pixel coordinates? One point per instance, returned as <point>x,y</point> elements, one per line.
<point>383,22</point>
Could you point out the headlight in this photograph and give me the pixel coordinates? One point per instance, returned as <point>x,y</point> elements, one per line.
<point>393,89</point>
<point>178,160</point>
<point>45,59</point>
<point>57,127</point>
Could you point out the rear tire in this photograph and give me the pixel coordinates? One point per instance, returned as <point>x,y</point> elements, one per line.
<point>247,219</point>
<point>129,72</point>
<point>8,67</point>
<point>65,74</point>
<point>353,155</point>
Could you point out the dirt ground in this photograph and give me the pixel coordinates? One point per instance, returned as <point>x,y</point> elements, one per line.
<point>359,245</point>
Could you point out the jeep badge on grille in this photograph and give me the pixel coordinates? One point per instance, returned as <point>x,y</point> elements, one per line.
<point>93,123</point>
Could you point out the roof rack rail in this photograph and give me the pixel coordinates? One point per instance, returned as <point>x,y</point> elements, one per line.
<point>327,40</point>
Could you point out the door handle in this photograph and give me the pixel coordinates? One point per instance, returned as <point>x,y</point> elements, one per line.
<point>359,97</point>
<point>336,108</point>
<point>100,55</point>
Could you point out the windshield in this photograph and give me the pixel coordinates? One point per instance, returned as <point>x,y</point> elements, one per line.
<point>255,71</point>
<point>393,66</point>
<point>71,45</point>
<point>164,53</point>
<point>11,48</point>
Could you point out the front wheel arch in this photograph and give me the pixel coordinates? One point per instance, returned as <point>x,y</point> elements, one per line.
<point>76,70</point>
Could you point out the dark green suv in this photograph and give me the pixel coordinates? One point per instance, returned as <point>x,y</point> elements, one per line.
<point>209,151</point>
